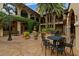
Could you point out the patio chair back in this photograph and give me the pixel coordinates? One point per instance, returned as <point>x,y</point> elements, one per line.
<point>57,33</point>
<point>61,47</point>
<point>44,41</point>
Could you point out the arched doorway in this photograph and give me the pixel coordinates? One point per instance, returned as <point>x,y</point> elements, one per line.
<point>23,24</point>
<point>72,21</point>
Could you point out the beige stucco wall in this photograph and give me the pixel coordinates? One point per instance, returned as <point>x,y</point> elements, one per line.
<point>1,30</point>
<point>75,7</point>
<point>77,41</point>
<point>19,9</point>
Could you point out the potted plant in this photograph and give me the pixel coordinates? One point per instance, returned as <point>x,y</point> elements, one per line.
<point>49,30</point>
<point>35,33</point>
<point>26,35</point>
<point>43,33</point>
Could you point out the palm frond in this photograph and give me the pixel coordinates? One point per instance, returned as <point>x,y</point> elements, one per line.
<point>50,7</point>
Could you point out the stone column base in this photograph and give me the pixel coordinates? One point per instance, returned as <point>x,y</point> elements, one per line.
<point>76,51</point>
<point>19,27</point>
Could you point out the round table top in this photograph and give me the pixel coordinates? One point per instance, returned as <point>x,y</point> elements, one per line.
<point>55,37</point>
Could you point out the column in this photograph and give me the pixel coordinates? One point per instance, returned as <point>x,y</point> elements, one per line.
<point>1,29</point>
<point>77,38</point>
<point>19,27</point>
<point>18,11</point>
<point>1,32</point>
<point>34,17</point>
<point>64,27</point>
<point>29,15</point>
<point>54,18</point>
<point>19,23</point>
<point>46,23</point>
<point>68,29</point>
<point>39,24</point>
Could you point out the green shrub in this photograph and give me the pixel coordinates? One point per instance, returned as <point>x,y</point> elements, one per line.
<point>26,34</point>
<point>51,30</point>
<point>36,24</point>
<point>30,25</point>
<point>48,30</point>
<point>44,30</point>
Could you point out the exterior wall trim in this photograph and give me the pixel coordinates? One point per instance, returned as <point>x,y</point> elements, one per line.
<point>76,24</point>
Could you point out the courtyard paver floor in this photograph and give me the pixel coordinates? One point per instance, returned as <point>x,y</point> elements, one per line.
<point>19,46</point>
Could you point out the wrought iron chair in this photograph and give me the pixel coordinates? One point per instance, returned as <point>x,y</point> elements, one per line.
<point>57,33</point>
<point>60,48</point>
<point>45,44</point>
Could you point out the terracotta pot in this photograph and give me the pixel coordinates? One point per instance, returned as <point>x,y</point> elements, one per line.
<point>27,37</point>
<point>43,34</point>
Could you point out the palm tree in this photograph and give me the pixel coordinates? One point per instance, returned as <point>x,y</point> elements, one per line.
<point>52,8</point>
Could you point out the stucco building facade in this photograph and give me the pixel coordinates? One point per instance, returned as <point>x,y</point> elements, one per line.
<point>71,25</point>
<point>21,10</point>
<point>68,24</point>
<point>75,7</point>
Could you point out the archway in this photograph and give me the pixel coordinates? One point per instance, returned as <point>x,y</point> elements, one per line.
<point>23,24</point>
<point>72,21</point>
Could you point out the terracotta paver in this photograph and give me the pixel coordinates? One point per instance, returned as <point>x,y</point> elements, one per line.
<point>21,47</point>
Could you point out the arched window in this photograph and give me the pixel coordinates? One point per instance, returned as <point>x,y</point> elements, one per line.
<point>24,14</point>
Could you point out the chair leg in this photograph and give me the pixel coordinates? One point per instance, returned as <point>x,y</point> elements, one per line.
<point>61,52</point>
<point>42,47</point>
<point>64,52</point>
<point>72,51</point>
<point>57,53</point>
<point>45,50</point>
<point>52,51</point>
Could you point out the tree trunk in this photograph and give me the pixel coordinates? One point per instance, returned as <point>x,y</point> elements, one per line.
<point>9,38</point>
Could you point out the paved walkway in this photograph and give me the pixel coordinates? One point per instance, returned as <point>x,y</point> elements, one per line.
<point>20,47</point>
